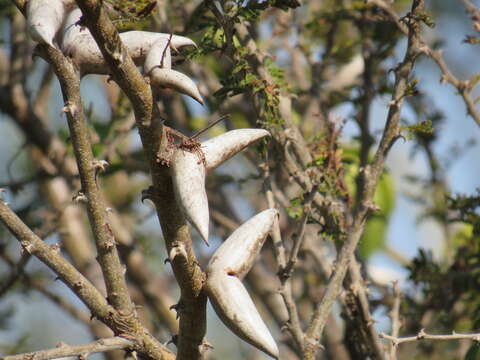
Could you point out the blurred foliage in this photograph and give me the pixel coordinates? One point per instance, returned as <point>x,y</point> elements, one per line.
<point>374,236</point>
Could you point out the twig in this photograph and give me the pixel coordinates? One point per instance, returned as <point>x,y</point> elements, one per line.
<point>17,271</point>
<point>293,325</point>
<point>464,88</point>
<point>360,294</point>
<point>287,271</point>
<point>395,318</point>
<point>81,351</point>
<point>74,311</point>
<point>422,335</point>
<point>66,272</point>
<point>371,173</point>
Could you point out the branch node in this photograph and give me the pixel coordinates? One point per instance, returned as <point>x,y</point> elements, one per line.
<point>80,197</point>
<point>70,107</point>
<point>177,250</point>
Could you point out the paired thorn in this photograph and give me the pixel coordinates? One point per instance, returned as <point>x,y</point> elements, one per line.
<point>177,250</point>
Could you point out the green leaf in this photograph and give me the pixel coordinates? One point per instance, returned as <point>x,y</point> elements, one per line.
<point>373,238</point>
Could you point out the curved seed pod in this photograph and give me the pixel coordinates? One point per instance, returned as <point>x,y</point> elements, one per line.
<point>140,42</point>
<point>230,263</point>
<point>188,176</point>
<point>223,147</point>
<point>79,44</point>
<point>159,56</point>
<point>235,308</point>
<point>168,78</point>
<point>44,19</point>
<point>237,254</point>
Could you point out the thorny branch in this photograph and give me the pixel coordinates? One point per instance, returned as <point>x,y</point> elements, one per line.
<point>464,87</point>
<point>192,309</point>
<point>422,335</point>
<point>371,174</point>
<point>81,351</point>
<point>395,319</point>
<point>88,167</point>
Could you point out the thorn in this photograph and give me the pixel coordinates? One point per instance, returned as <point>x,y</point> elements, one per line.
<point>173,340</point>
<point>26,247</point>
<point>55,247</point>
<point>80,197</point>
<point>70,108</point>
<point>147,194</point>
<point>100,165</point>
<point>176,250</point>
<point>178,307</point>
<point>205,346</point>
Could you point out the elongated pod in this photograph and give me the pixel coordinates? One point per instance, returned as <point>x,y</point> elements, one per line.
<point>237,254</point>
<point>229,264</point>
<point>140,42</point>
<point>168,78</point>
<point>188,176</point>
<point>223,147</point>
<point>45,17</point>
<point>235,308</point>
<point>159,56</point>
<point>79,45</point>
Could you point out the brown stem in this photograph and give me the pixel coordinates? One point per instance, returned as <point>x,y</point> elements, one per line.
<point>81,351</point>
<point>371,173</point>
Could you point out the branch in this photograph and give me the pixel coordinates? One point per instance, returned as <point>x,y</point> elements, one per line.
<point>82,351</point>
<point>422,335</point>
<point>395,317</point>
<point>87,293</point>
<point>293,325</point>
<point>88,168</point>
<point>174,227</point>
<point>32,244</point>
<point>464,87</point>
<point>371,175</point>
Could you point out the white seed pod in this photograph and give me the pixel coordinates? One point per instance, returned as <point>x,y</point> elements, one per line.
<point>237,254</point>
<point>231,301</point>
<point>235,308</point>
<point>44,19</point>
<point>168,78</point>
<point>188,176</point>
<point>223,147</point>
<point>78,44</point>
<point>159,56</point>
<point>139,43</point>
